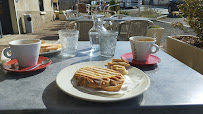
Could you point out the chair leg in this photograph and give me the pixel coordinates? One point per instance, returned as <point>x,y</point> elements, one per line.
<point>65,24</point>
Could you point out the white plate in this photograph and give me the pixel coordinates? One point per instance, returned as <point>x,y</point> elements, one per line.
<point>64,77</point>
<point>50,52</point>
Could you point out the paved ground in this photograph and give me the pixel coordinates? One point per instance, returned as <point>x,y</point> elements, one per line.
<point>161,9</point>
<point>171,18</point>
<point>49,31</point>
<point>169,30</point>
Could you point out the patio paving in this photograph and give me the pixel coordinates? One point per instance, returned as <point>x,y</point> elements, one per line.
<point>49,31</point>
<point>169,30</point>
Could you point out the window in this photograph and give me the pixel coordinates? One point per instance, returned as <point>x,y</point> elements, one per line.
<point>41,5</point>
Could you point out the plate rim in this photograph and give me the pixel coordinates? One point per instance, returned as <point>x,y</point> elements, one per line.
<point>50,52</point>
<point>100,100</point>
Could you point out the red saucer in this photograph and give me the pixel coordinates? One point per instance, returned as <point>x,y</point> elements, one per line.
<point>13,66</point>
<point>150,61</point>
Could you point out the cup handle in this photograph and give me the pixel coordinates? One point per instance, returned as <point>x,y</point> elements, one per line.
<point>157,48</point>
<point>6,53</point>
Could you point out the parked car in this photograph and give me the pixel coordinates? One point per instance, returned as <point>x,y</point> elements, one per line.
<point>173,5</point>
<point>129,3</point>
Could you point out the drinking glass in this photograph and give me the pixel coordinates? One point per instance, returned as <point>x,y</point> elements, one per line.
<point>107,42</point>
<point>68,39</point>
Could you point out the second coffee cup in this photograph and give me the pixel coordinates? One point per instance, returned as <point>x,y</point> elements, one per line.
<point>142,47</point>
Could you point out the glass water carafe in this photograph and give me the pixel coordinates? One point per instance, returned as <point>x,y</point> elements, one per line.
<point>93,32</point>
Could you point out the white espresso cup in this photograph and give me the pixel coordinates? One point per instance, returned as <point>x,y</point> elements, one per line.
<point>25,51</point>
<point>142,47</point>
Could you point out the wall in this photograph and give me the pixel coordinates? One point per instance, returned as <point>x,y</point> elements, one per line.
<point>32,7</point>
<point>66,4</point>
<point>5,17</point>
<point>161,2</point>
<point>14,20</point>
<point>146,2</point>
<point>156,2</point>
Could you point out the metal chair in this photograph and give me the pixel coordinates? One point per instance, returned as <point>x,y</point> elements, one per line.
<point>133,28</point>
<point>107,10</point>
<point>83,8</point>
<point>69,14</point>
<point>138,27</point>
<point>84,26</point>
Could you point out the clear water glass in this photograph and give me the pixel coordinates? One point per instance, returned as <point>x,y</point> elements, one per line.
<point>107,42</point>
<point>68,39</point>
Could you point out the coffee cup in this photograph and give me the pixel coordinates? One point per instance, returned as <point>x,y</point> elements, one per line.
<point>142,47</point>
<point>25,51</point>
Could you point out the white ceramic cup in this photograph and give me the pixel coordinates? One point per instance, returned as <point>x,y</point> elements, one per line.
<point>25,51</point>
<point>142,47</point>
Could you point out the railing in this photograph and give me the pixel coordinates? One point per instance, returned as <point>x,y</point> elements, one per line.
<point>108,9</point>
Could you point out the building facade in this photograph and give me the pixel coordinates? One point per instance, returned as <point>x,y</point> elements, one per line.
<point>155,2</point>
<point>12,13</point>
<point>67,4</point>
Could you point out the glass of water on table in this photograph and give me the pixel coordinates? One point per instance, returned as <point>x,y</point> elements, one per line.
<point>107,42</point>
<point>68,39</point>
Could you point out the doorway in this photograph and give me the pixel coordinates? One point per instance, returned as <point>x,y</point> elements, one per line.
<point>5,17</point>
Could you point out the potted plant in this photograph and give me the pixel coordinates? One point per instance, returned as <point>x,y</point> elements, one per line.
<point>156,31</point>
<point>187,48</point>
<point>56,12</point>
<point>61,16</point>
<point>113,9</point>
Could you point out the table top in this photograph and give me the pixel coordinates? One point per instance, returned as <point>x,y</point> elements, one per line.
<point>85,18</point>
<point>128,18</point>
<point>172,84</point>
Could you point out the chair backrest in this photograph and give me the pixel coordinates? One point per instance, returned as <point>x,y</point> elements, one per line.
<point>82,8</point>
<point>137,28</point>
<point>84,27</point>
<point>108,10</point>
<point>64,12</point>
<point>117,15</point>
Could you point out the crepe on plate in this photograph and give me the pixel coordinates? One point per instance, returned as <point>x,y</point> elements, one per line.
<point>46,47</point>
<point>98,77</point>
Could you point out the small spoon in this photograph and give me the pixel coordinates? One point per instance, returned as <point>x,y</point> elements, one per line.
<point>43,62</point>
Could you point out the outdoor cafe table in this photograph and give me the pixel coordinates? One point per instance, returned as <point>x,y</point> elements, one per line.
<point>174,88</point>
<point>85,18</point>
<point>128,18</point>
<point>113,19</point>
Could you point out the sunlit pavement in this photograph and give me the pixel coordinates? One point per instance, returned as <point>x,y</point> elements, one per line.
<point>161,9</point>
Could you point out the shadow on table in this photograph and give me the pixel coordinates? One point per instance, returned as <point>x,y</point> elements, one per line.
<point>57,57</point>
<point>90,55</point>
<point>48,37</point>
<point>147,67</point>
<point>17,75</point>
<point>53,97</point>
<point>85,52</point>
<point>86,55</point>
